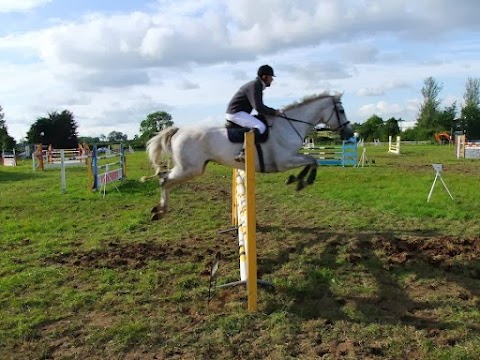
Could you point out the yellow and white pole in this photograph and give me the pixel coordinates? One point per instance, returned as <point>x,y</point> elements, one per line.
<point>244,219</point>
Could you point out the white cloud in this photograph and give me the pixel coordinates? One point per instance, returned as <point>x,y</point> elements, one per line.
<point>112,68</point>
<point>11,6</point>
<point>379,91</point>
<point>383,88</point>
<point>360,53</point>
<point>239,31</point>
<point>187,85</point>
<point>386,110</point>
<point>94,80</point>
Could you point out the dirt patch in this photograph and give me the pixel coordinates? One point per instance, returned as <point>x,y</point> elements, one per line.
<point>116,254</point>
<point>444,276</point>
<point>209,191</point>
<point>443,251</point>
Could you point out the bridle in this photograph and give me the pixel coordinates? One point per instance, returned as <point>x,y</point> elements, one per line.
<point>334,111</point>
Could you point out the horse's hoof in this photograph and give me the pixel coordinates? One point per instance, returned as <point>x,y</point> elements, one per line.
<point>155,209</point>
<point>291,179</point>
<point>156,216</point>
<point>300,185</point>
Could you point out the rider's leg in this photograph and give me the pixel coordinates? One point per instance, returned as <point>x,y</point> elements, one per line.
<point>244,119</point>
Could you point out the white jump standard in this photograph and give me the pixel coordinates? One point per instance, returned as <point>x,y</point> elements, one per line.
<point>394,147</point>
<point>9,158</point>
<point>467,149</point>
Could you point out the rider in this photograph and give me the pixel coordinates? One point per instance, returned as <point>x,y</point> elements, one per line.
<point>249,97</point>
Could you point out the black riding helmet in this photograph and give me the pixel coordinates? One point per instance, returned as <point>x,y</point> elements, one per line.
<point>265,70</point>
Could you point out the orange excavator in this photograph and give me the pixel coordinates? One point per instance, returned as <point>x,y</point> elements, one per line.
<point>438,137</point>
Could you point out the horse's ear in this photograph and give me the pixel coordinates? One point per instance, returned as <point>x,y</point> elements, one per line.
<point>338,94</point>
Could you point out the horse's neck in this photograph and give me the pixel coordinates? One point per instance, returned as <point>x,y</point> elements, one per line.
<point>289,133</point>
<point>308,116</point>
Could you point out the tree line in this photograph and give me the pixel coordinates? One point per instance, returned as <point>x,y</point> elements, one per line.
<point>60,129</point>
<point>431,118</point>
<point>6,141</point>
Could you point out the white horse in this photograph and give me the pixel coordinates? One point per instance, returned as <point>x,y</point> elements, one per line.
<point>191,148</point>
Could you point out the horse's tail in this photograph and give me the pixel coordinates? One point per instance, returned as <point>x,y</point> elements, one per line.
<point>157,146</point>
<point>160,144</point>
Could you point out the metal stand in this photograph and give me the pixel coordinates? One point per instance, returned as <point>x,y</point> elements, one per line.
<point>438,169</point>
<point>363,159</point>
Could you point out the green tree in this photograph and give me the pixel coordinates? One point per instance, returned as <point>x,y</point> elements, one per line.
<point>427,118</point>
<point>446,118</point>
<point>117,136</point>
<point>410,134</point>
<point>372,128</point>
<point>6,141</point>
<point>88,139</point>
<point>391,127</point>
<point>470,113</point>
<point>154,123</point>
<point>58,130</point>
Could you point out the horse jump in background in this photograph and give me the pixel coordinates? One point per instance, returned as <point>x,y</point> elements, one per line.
<point>191,147</point>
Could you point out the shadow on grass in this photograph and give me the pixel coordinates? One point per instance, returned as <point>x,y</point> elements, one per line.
<point>133,186</point>
<point>8,176</point>
<point>384,259</point>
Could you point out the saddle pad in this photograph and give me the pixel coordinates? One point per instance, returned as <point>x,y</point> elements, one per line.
<point>236,135</point>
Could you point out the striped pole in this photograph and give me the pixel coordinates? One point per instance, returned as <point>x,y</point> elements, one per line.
<point>240,219</point>
<point>245,222</point>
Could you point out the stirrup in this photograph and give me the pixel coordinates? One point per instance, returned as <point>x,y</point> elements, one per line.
<point>241,156</point>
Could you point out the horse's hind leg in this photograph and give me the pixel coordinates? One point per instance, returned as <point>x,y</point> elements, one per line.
<point>159,210</point>
<point>168,181</point>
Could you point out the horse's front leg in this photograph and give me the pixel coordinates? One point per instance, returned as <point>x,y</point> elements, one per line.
<point>310,165</point>
<point>312,176</point>
<point>301,175</point>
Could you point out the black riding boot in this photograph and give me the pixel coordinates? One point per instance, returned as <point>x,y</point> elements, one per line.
<point>241,156</point>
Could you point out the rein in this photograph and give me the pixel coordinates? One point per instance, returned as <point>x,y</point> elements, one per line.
<point>335,111</point>
<point>295,120</point>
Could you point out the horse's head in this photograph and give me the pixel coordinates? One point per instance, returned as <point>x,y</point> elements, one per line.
<point>334,116</point>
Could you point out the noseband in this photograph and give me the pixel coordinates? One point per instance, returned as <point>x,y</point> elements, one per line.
<point>335,109</point>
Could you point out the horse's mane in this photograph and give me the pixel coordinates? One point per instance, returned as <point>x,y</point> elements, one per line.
<point>309,98</point>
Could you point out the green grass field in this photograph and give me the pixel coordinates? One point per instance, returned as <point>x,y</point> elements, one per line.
<point>364,267</point>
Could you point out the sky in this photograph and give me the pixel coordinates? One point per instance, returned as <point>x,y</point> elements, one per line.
<point>113,62</point>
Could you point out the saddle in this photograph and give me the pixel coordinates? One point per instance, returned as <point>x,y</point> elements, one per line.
<point>236,132</point>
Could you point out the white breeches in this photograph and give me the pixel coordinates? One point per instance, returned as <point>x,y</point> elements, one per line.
<point>244,119</point>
